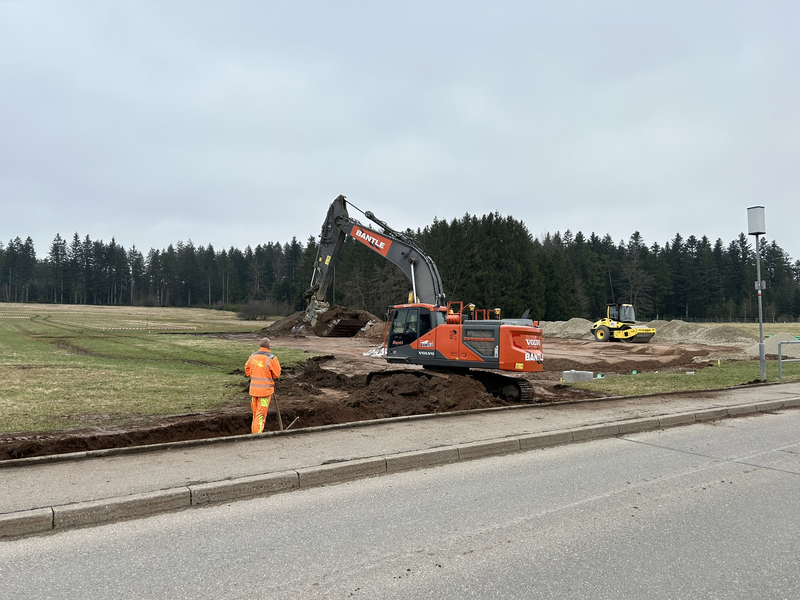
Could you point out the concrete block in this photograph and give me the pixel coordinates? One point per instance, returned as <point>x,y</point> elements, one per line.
<point>791,402</point>
<point>769,406</point>
<point>26,522</point>
<point>638,425</point>
<point>572,376</point>
<point>421,458</point>
<point>678,419</point>
<point>544,440</point>
<point>595,431</point>
<point>488,448</point>
<point>243,487</point>
<point>341,471</point>
<point>744,409</point>
<point>710,414</point>
<point>126,507</point>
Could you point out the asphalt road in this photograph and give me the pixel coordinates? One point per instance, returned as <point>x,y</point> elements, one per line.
<point>703,511</point>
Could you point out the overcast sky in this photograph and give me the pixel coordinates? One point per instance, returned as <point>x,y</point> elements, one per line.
<point>236,123</point>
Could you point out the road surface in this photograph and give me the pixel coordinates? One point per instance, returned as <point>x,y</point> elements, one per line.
<point>703,511</point>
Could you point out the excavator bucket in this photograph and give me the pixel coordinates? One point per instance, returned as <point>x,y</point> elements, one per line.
<point>338,321</point>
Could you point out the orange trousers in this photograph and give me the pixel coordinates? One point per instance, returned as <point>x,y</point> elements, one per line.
<point>260,406</point>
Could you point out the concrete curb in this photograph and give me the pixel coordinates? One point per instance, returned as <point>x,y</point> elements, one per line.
<point>127,507</point>
<point>97,512</point>
<point>26,522</point>
<point>244,487</point>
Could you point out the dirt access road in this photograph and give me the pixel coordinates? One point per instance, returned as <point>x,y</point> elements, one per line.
<point>345,386</point>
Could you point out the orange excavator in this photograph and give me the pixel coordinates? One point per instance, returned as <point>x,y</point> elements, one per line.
<point>443,336</point>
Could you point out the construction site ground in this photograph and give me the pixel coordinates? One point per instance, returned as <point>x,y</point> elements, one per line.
<point>342,384</point>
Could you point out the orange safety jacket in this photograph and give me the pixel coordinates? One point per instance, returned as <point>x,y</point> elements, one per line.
<point>263,369</point>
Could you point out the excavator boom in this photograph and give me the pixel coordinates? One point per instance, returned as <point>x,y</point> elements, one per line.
<point>394,246</point>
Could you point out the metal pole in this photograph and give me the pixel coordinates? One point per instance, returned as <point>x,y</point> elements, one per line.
<point>413,283</point>
<point>760,313</point>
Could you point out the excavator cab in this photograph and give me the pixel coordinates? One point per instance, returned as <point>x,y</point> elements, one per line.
<point>409,323</point>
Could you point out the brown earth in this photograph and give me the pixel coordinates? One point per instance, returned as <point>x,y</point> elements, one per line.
<point>344,386</point>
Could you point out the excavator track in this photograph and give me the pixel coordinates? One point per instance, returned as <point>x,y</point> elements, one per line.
<point>513,389</point>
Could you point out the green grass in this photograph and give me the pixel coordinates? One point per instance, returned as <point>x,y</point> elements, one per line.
<point>726,375</point>
<point>64,367</point>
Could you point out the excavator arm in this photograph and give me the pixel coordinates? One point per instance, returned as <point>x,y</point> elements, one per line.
<point>396,247</point>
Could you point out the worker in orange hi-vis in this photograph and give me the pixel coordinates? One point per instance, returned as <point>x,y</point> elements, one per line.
<point>263,369</point>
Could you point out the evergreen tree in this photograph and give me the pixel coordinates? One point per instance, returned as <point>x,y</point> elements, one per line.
<point>58,263</point>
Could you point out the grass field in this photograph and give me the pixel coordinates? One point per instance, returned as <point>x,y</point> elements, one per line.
<point>68,366</point>
<point>724,375</point>
<point>769,328</point>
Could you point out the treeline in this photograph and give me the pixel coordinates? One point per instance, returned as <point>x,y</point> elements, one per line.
<point>86,271</point>
<point>491,260</point>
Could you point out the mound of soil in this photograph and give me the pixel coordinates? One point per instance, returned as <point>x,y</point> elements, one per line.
<point>284,326</point>
<point>373,330</point>
<point>575,328</point>
<point>724,335</point>
<point>771,346</point>
<point>681,332</point>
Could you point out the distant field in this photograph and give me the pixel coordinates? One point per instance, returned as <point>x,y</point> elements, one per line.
<point>769,328</point>
<point>71,366</point>
<point>127,318</point>
<point>725,375</point>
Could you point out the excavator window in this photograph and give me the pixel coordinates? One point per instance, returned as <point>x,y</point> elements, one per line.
<point>405,326</point>
<point>424,323</point>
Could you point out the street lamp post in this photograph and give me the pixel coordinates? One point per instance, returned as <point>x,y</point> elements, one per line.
<point>756,226</point>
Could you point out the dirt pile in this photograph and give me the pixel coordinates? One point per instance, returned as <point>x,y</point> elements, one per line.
<point>285,326</point>
<point>575,328</point>
<point>656,323</point>
<point>675,332</point>
<point>373,330</point>
<point>724,335</point>
<point>771,346</point>
<point>319,396</point>
<point>681,332</point>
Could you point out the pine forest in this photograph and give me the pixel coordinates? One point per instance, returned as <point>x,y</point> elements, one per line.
<point>492,261</point>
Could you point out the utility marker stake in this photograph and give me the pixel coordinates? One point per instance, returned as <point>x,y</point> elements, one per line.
<point>280,421</point>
